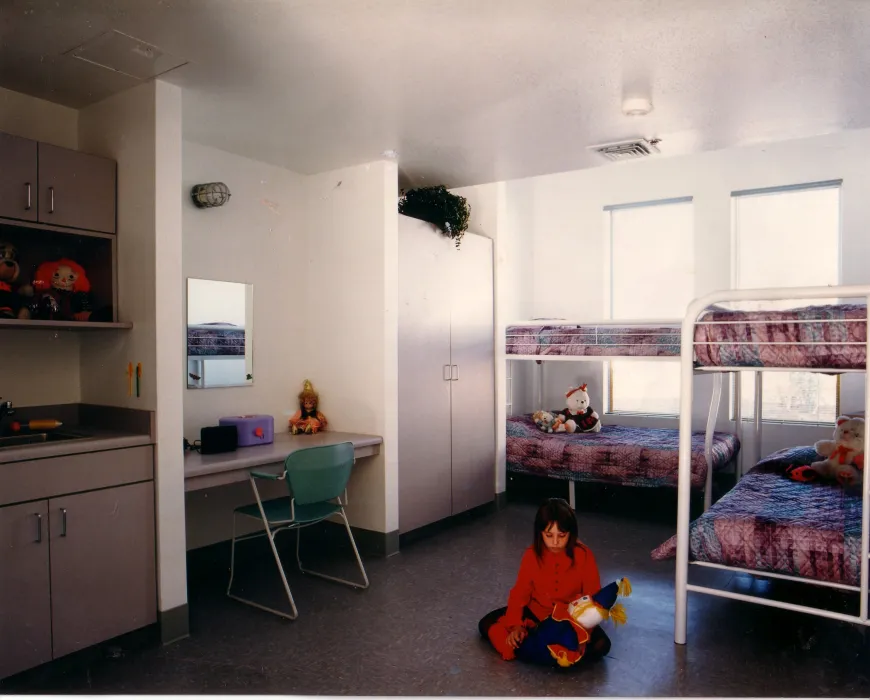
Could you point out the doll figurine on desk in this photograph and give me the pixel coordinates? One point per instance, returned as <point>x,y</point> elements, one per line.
<point>307,419</point>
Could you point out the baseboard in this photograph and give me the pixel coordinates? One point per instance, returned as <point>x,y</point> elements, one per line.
<point>501,500</point>
<point>369,542</point>
<point>407,538</point>
<point>174,624</point>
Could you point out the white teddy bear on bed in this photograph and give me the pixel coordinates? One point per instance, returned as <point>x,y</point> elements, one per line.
<point>578,416</point>
<point>844,454</point>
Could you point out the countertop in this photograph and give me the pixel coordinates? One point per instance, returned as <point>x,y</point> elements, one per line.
<point>99,439</point>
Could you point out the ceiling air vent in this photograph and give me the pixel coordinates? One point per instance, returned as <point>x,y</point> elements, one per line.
<point>627,150</point>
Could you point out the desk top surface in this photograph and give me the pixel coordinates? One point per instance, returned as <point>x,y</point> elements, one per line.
<point>196,464</point>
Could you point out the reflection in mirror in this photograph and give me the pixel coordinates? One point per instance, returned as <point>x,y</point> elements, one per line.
<point>220,327</point>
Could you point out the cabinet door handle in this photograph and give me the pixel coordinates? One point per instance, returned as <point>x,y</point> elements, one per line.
<point>29,197</point>
<point>445,373</point>
<point>38,527</point>
<point>454,373</point>
<point>51,194</point>
<point>63,522</point>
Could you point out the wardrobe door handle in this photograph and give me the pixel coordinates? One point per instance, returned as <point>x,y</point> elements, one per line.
<point>51,194</point>
<point>63,522</point>
<point>29,197</point>
<point>445,373</point>
<point>38,527</point>
<point>454,373</point>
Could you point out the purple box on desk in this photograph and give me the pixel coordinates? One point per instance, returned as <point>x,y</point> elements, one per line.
<point>253,430</point>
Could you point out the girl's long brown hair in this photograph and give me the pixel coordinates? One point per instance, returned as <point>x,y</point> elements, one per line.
<point>555,510</point>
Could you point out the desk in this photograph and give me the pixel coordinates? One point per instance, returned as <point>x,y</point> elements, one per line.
<point>207,471</point>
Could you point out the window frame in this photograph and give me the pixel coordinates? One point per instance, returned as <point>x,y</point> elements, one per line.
<point>607,368</point>
<point>736,196</point>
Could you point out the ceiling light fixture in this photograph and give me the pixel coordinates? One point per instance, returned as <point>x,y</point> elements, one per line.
<point>390,154</point>
<point>636,106</point>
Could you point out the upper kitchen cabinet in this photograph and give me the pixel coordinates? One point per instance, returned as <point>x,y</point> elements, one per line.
<point>76,190</point>
<point>18,178</point>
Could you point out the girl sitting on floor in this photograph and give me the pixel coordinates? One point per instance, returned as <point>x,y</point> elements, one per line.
<point>557,568</point>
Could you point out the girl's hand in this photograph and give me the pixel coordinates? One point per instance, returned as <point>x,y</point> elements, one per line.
<point>516,637</point>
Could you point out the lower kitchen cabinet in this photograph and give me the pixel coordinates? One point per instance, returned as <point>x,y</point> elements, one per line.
<point>75,571</point>
<point>25,594</point>
<point>103,578</point>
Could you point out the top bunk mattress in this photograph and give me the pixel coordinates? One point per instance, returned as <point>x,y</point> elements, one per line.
<point>827,337</point>
<point>594,341</point>
<point>833,337</point>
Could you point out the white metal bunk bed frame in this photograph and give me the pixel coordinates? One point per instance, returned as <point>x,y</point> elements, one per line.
<point>715,399</point>
<point>687,373</point>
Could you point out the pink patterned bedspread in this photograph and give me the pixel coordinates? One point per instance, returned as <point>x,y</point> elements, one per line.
<point>593,341</point>
<point>770,523</point>
<point>617,455</point>
<point>833,337</point>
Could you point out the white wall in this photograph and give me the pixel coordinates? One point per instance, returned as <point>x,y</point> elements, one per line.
<point>562,217</point>
<point>141,130</point>
<point>259,238</point>
<point>32,118</point>
<point>351,336</point>
<point>39,367</point>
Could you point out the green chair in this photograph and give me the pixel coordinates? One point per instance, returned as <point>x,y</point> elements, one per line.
<point>316,477</point>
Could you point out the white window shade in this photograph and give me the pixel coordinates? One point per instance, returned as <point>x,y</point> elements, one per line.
<point>652,276</point>
<point>787,238</point>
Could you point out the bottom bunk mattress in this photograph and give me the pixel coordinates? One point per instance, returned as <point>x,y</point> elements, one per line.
<point>770,523</point>
<point>617,455</point>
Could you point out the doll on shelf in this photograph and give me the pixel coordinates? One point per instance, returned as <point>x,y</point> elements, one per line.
<point>307,419</point>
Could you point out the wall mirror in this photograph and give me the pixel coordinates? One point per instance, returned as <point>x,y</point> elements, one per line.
<point>220,327</point>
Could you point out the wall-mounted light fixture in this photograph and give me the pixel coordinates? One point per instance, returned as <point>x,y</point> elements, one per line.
<point>211,194</point>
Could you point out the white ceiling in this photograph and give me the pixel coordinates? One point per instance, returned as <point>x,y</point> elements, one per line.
<point>467,91</point>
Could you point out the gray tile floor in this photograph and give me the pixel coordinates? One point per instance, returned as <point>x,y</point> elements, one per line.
<point>414,631</point>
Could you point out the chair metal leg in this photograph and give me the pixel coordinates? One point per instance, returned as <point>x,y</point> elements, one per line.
<point>280,613</point>
<point>352,584</point>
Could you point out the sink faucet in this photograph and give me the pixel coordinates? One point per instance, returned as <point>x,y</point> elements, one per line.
<point>6,409</point>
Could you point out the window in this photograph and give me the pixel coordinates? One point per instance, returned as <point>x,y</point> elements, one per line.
<point>651,276</point>
<point>787,237</point>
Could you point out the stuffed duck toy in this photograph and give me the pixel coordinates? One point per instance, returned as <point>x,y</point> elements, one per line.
<point>561,639</point>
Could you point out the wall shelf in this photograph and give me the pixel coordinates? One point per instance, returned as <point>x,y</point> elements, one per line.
<point>30,324</point>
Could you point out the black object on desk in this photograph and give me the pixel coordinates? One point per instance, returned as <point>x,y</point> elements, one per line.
<point>218,438</point>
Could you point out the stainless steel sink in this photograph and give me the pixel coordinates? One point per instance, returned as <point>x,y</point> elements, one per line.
<point>34,438</point>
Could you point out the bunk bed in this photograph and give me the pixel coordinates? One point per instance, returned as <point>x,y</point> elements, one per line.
<point>768,524</point>
<point>618,454</point>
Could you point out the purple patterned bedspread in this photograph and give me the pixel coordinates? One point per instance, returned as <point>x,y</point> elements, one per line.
<point>637,341</point>
<point>814,336</point>
<point>770,523</point>
<point>616,455</point>
<point>831,336</point>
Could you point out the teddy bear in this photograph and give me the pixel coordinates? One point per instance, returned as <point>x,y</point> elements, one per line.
<point>578,416</point>
<point>843,456</point>
<point>544,420</point>
<point>11,303</point>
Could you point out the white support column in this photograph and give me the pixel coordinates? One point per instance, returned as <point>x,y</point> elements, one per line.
<point>708,437</point>
<point>572,496</point>
<point>865,513</point>
<point>759,391</point>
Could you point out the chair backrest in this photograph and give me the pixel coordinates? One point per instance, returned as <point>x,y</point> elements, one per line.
<point>317,474</point>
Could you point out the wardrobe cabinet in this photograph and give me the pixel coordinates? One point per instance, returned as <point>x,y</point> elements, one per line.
<point>446,374</point>
<point>52,185</point>
<point>19,191</point>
